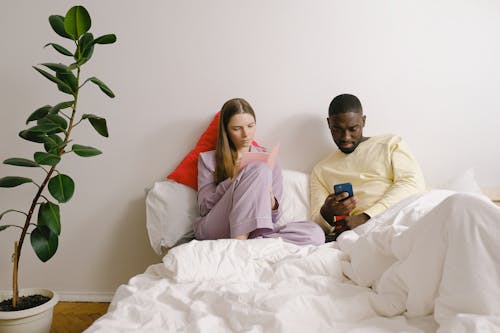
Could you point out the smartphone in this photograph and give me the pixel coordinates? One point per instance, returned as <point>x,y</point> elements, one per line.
<point>344,187</point>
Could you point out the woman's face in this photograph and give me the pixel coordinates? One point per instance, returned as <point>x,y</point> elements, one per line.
<point>241,130</point>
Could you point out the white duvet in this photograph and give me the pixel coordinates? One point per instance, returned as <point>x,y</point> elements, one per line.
<point>430,263</point>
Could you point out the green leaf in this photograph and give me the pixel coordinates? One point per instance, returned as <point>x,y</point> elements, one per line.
<point>61,106</point>
<point>52,144</point>
<point>85,47</point>
<point>106,39</point>
<point>77,21</point>
<point>61,187</point>
<point>102,86</point>
<point>57,24</point>
<point>32,136</point>
<point>98,123</point>
<point>39,113</point>
<point>85,151</point>
<point>64,74</point>
<point>58,68</point>
<point>13,181</point>
<point>44,242</point>
<point>60,49</point>
<point>69,78</point>
<point>46,158</point>
<point>48,215</point>
<point>3,227</point>
<point>54,120</point>
<point>63,86</point>
<point>23,162</point>
<point>43,128</point>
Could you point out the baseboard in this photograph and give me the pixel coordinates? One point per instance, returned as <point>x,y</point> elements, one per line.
<point>76,296</point>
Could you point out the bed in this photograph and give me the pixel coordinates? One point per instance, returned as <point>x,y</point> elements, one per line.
<point>403,271</point>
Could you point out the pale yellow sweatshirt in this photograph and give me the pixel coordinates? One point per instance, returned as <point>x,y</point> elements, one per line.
<point>382,171</point>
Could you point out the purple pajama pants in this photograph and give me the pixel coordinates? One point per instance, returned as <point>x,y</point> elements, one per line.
<point>245,208</point>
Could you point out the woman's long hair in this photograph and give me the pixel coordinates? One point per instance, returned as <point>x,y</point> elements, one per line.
<point>225,151</point>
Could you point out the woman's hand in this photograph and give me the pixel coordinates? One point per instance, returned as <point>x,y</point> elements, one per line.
<point>274,202</point>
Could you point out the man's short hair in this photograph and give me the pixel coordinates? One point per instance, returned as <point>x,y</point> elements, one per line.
<point>344,103</point>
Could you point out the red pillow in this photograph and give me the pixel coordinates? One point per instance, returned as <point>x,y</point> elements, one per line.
<point>187,171</point>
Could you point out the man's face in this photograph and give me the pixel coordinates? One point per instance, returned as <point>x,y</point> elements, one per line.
<point>347,130</point>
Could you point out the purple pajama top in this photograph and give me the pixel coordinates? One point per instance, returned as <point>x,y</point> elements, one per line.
<point>209,193</point>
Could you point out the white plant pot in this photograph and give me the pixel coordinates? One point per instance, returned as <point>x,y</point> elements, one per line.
<point>34,320</point>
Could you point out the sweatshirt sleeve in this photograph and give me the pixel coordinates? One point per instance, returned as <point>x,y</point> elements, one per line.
<point>209,193</point>
<point>408,178</point>
<point>319,192</point>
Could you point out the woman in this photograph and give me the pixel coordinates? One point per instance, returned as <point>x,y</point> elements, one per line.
<point>244,203</point>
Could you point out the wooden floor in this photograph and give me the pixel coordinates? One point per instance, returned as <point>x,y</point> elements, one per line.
<point>75,317</point>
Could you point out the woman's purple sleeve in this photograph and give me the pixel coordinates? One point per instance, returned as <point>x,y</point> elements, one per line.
<point>209,193</point>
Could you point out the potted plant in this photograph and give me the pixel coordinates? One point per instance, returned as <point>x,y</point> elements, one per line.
<point>51,127</point>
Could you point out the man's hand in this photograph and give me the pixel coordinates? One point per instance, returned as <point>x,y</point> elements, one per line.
<point>337,205</point>
<point>356,220</point>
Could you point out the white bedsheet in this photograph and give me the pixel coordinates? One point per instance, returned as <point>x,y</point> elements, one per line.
<point>407,270</point>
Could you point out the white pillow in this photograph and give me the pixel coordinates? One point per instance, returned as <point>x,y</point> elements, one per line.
<point>171,209</point>
<point>463,182</point>
<point>295,200</point>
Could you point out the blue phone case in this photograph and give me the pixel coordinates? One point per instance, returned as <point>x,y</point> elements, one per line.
<point>344,187</point>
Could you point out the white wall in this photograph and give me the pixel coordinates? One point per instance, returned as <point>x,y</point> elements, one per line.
<point>427,70</point>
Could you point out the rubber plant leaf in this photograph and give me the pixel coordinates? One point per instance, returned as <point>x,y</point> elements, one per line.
<point>77,21</point>
<point>52,144</point>
<point>104,88</point>
<point>57,24</point>
<point>61,187</point>
<point>98,123</point>
<point>46,158</point>
<point>22,162</point>
<point>85,151</point>
<point>53,119</point>
<point>32,136</point>
<point>60,49</point>
<point>44,242</point>
<point>61,106</point>
<point>49,216</point>
<point>39,113</point>
<point>63,86</point>
<point>106,39</point>
<point>85,48</point>
<point>13,181</point>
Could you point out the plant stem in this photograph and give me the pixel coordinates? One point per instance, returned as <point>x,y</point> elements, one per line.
<point>19,246</point>
<point>15,294</point>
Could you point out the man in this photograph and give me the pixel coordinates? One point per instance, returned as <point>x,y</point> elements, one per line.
<point>381,169</point>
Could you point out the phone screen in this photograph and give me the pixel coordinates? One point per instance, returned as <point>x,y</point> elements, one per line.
<point>344,187</point>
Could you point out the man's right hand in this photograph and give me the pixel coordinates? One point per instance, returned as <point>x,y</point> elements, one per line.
<point>337,205</point>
